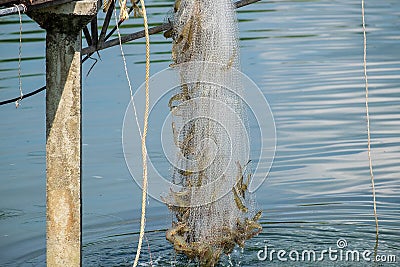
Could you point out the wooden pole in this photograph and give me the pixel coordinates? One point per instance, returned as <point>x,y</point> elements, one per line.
<point>63,24</point>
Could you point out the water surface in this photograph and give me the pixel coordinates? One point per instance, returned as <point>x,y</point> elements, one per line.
<point>306,57</point>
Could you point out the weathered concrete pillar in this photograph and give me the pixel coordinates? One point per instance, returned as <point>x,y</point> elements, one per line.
<point>63,24</point>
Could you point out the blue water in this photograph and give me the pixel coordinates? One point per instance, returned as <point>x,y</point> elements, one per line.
<point>306,57</point>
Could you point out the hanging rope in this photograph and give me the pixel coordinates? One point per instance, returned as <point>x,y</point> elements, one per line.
<point>21,95</point>
<point>145,122</point>
<point>145,125</point>
<point>126,72</point>
<point>368,124</point>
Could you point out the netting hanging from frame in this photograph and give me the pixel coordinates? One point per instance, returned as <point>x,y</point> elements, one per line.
<point>210,199</point>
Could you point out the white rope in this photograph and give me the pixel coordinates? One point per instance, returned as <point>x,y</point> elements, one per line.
<point>367,113</point>
<point>145,122</point>
<point>127,73</point>
<point>145,125</point>
<point>20,55</point>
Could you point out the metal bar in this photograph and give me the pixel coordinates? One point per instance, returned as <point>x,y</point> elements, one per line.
<point>13,10</point>
<point>140,34</point>
<point>243,3</point>
<point>29,6</point>
<point>127,38</point>
<point>90,50</point>
<point>108,36</point>
<point>24,96</point>
<point>87,35</point>
<point>119,23</point>
<point>93,28</point>
<point>106,23</point>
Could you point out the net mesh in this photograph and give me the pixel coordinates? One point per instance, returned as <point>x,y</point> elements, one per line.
<point>210,174</point>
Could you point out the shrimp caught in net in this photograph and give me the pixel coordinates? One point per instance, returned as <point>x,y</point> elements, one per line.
<point>210,203</point>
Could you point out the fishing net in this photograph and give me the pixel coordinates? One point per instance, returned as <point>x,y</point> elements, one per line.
<point>209,198</point>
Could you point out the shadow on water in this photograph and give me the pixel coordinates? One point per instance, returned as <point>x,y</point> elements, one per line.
<point>306,56</point>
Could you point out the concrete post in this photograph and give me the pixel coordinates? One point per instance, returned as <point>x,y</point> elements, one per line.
<point>63,24</point>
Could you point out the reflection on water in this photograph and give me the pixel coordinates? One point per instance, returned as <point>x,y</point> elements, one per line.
<point>306,56</point>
